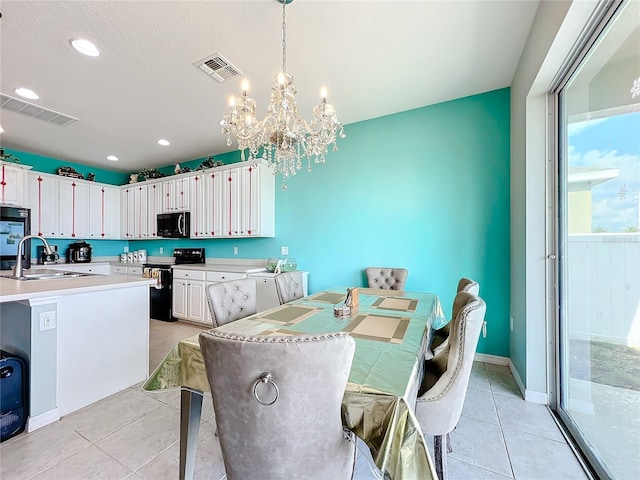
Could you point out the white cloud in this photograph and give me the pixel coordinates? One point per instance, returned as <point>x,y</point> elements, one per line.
<point>578,127</point>
<point>609,210</point>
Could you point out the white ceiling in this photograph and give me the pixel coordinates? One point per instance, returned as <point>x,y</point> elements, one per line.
<point>375,58</point>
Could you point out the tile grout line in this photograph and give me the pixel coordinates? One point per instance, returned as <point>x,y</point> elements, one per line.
<point>504,440</point>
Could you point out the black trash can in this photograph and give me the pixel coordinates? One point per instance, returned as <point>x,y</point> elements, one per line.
<point>13,395</point>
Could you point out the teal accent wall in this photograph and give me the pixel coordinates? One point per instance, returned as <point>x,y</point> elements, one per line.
<point>426,189</point>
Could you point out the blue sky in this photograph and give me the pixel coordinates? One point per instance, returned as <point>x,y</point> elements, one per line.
<point>612,142</point>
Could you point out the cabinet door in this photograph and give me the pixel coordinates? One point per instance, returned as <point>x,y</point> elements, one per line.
<point>195,301</point>
<point>12,185</point>
<point>214,210</point>
<point>154,206</point>
<point>182,194</point>
<point>180,298</point>
<point>104,211</point>
<point>112,212</point>
<point>266,294</point>
<point>43,192</point>
<point>231,202</point>
<point>168,196</point>
<point>74,209</point>
<point>176,195</point>
<point>128,213</point>
<point>140,211</point>
<point>250,201</point>
<point>198,206</point>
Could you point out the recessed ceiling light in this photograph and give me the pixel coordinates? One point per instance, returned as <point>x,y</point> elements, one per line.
<point>85,47</point>
<point>26,93</point>
<point>112,158</point>
<point>163,142</point>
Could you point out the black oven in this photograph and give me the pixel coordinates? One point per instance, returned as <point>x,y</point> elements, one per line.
<point>15,223</point>
<point>174,225</point>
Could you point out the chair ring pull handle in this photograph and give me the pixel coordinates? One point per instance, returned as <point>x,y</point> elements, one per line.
<point>265,377</point>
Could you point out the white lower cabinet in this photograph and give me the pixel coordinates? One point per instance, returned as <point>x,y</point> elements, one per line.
<point>190,295</point>
<point>266,293</point>
<point>133,270</point>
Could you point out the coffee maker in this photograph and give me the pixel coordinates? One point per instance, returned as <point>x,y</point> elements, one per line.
<point>45,258</point>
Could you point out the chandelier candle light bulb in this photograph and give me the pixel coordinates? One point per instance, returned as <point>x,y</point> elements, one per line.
<point>282,138</point>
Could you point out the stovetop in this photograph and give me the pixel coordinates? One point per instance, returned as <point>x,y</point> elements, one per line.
<point>184,256</point>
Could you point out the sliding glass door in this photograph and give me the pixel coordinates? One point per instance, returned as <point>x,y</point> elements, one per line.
<point>598,395</point>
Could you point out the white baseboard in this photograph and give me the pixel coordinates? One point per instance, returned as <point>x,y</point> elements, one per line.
<point>492,359</point>
<point>39,421</point>
<point>529,395</point>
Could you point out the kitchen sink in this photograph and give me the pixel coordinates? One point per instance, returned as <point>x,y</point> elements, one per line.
<point>48,275</point>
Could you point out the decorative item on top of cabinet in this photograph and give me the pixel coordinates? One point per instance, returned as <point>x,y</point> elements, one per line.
<point>69,172</point>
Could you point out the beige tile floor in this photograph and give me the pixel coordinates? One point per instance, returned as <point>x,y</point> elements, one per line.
<point>134,435</point>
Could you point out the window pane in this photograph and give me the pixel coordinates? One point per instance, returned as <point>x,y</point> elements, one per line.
<point>600,245</point>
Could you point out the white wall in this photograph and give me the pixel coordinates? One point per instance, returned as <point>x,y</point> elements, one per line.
<point>556,27</point>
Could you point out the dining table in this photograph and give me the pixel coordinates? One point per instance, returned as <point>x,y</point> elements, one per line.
<point>392,330</point>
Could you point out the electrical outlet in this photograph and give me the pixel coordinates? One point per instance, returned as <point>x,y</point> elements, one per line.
<point>47,320</point>
<point>235,250</point>
<point>161,250</point>
<point>511,323</point>
<point>284,250</point>
<point>126,249</point>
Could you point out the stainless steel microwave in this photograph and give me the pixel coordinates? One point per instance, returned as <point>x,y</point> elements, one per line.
<point>174,225</point>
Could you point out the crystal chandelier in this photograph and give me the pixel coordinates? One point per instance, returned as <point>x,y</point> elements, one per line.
<point>282,138</point>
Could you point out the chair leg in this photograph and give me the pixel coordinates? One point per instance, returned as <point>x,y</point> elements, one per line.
<point>441,456</point>
<point>449,447</point>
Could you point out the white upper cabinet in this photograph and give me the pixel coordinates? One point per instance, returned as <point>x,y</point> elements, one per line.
<point>74,208</point>
<point>13,184</point>
<point>154,206</point>
<point>104,212</point>
<point>43,199</point>
<point>176,195</point>
<point>257,200</point>
<point>63,207</point>
<point>231,202</point>
<point>127,212</point>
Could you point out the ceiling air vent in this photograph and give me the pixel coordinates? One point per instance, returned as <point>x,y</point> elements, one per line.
<point>218,67</point>
<point>36,111</point>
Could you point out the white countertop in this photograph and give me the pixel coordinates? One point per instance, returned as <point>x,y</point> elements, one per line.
<point>222,267</point>
<point>15,290</point>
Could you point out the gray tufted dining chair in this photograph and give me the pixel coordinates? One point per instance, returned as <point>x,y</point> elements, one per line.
<point>231,300</point>
<point>277,403</point>
<point>446,377</point>
<point>441,335</point>
<point>289,286</point>
<point>386,278</point>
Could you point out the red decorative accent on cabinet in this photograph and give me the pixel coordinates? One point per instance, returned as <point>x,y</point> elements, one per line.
<point>140,216</point>
<point>39,205</point>
<point>3,183</point>
<point>229,204</point>
<point>250,198</point>
<point>102,193</point>
<point>73,209</point>
<point>195,207</point>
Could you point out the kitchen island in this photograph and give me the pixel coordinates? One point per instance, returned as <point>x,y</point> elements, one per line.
<point>83,338</point>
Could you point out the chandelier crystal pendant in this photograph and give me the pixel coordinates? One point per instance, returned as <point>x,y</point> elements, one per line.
<point>283,138</point>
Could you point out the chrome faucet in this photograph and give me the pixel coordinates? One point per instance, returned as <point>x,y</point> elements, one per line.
<point>17,269</point>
